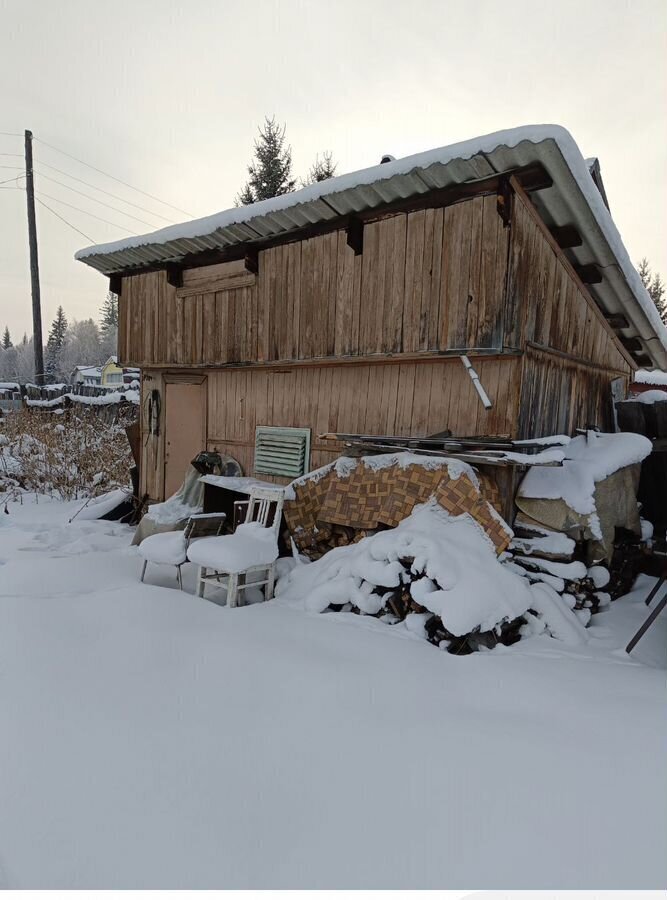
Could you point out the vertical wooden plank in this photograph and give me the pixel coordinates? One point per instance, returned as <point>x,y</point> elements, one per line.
<point>414,268</point>
<point>395,290</point>
<point>475,306</point>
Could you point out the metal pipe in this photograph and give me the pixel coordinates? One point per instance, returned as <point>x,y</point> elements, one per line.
<point>483,396</point>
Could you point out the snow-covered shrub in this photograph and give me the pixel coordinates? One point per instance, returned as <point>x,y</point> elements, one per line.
<point>70,455</point>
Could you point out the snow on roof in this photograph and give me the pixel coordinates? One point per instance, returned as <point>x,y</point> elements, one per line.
<point>574,199</point>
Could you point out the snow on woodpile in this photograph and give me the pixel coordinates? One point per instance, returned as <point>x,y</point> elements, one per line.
<point>435,575</point>
<point>589,459</point>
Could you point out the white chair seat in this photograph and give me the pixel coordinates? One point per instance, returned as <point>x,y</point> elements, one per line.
<point>250,546</point>
<point>169,548</point>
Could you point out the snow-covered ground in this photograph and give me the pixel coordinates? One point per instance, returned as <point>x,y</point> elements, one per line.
<point>154,740</point>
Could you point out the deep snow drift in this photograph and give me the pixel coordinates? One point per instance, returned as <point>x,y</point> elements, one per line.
<point>152,739</point>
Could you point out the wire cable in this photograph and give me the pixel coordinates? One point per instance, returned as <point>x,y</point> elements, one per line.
<point>41,203</point>
<point>15,178</point>
<point>113,177</point>
<point>101,202</point>
<point>101,190</point>
<point>85,212</point>
<point>11,134</point>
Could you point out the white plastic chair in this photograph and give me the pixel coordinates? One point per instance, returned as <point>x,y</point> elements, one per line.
<point>171,547</point>
<point>251,550</point>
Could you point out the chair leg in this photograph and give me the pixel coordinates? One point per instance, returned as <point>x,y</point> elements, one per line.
<point>232,591</point>
<point>143,570</point>
<point>270,583</point>
<point>201,585</point>
<point>179,577</point>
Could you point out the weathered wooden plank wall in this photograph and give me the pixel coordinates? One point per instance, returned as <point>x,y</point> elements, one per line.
<point>559,395</point>
<point>547,305</point>
<point>412,398</point>
<point>430,280</point>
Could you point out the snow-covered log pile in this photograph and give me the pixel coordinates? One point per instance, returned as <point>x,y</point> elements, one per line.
<point>550,557</point>
<point>438,577</point>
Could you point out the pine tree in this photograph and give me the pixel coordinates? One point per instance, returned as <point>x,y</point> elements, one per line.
<point>6,339</point>
<point>644,270</point>
<point>55,344</point>
<point>109,314</point>
<point>322,168</point>
<point>271,171</point>
<point>657,292</point>
<point>655,287</point>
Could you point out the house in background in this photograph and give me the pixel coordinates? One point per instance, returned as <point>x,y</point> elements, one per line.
<point>89,375</point>
<point>112,373</point>
<point>355,305</point>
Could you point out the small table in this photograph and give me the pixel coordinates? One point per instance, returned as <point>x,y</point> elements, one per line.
<point>221,492</point>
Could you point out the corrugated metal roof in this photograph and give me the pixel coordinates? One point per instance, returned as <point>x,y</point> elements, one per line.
<point>573,199</point>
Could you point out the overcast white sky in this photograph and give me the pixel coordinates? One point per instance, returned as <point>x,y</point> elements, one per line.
<point>167,96</point>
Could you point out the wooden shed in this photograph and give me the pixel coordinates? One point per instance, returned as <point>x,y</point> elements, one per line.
<point>348,306</point>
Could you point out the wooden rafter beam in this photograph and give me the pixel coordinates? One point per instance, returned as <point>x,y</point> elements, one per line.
<point>632,344</point>
<point>355,236</point>
<point>589,274</point>
<point>174,275</point>
<point>617,321</point>
<point>566,236</point>
<point>251,260</point>
<point>116,284</point>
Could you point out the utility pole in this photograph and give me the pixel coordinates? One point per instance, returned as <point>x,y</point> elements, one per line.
<point>34,263</point>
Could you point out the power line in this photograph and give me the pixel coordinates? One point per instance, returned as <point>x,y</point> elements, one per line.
<point>113,177</point>
<point>11,134</point>
<point>101,202</point>
<point>102,191</point>
<point>85,212</point>
<point>15,178</point>
<point>62,219</point>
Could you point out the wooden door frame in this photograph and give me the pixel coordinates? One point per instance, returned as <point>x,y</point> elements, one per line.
<point>182,378</point>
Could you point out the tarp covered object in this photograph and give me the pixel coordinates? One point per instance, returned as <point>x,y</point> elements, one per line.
<point>615,507</point>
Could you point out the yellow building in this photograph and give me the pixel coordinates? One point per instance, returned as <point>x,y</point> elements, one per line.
<point>112,373</point>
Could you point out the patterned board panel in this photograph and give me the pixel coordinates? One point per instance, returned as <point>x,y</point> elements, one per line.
<point>367,499</point>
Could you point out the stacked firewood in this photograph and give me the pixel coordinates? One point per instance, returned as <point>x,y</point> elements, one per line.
<point>400,605</point>
<point>541,555</point>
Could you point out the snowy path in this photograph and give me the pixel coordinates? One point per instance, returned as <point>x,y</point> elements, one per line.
<point>154,740</point>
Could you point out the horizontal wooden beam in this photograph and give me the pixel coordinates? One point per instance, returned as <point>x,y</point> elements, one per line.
<point>377,359</point>
<point>576,360</point>
<point>589,274</point>
<point>566,236</point>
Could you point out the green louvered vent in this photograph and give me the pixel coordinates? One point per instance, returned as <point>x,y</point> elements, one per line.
<point>282,451</point>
